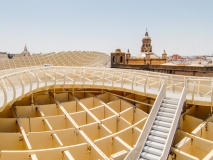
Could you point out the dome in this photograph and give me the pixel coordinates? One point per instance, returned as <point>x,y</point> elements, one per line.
<point>142,55</point>
<point>146,36</point>
<point>25,52</point>
<point>118,50</point>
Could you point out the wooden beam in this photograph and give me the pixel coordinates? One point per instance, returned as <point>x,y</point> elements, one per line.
<point>57,139</point>
<point>27,142</point>
<point>33,157</point>
<point>129,99</point>
<point>68,155</point>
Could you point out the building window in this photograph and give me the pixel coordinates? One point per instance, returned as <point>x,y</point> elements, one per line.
<point>113,59</point>
<point>121,59</point>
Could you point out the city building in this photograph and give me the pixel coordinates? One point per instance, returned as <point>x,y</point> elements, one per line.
<point>146,56</point>
<point>3,55</point>
<point>175,64</point>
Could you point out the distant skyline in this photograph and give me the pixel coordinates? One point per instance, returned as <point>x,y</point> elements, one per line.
<point>180,27</point>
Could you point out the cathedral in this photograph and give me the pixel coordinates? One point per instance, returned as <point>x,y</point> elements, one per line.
<point>25,52</point>
<point>146,56</point>
<point>147,60</point>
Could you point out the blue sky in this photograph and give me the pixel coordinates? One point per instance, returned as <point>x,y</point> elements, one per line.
<point>182,27</point>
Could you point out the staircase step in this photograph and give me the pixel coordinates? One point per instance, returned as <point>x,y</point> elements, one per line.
<point>155,145</point>
<point>152,150</point>
<point>159,133</point>
<point>165,114</point>
<point>166,105</point>
<point>157,139</point>
<point>168,110</point>
<point>171,99</point>
<point>162,123</point>
<point>165,119</point>
<point>149,156</point>
<point>168,101</point>
<point>160,128</point>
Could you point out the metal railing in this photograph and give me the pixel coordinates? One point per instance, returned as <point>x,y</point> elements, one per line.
<point>16,83</point>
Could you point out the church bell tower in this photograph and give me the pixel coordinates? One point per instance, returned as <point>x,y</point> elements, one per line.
<point>146,43</point>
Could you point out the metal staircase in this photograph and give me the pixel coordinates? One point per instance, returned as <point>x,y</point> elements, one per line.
<point>160,129</point>
<point>156,138</point>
